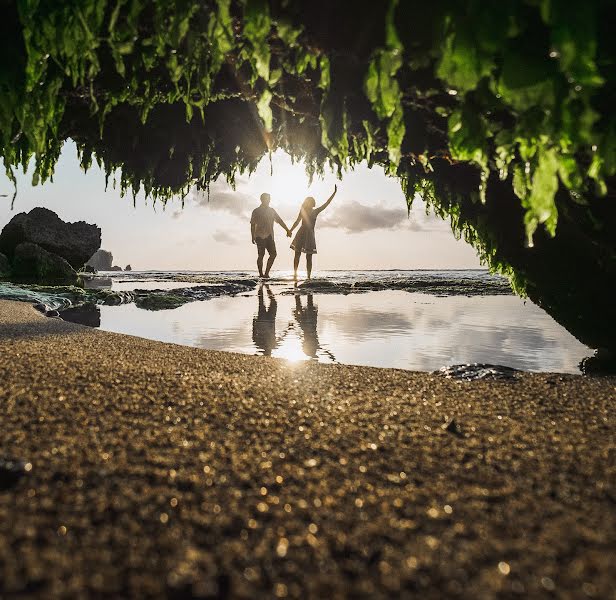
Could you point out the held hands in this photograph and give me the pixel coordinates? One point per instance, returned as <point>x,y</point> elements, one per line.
<point>289,232</point>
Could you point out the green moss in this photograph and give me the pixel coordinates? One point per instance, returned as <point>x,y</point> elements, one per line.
<point>160,301</point>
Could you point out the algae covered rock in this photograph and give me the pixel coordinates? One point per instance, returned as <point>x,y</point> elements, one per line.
<point>33,263</point>
<point>74,242</point>
<point>5,266</point>
<point>158,301</point>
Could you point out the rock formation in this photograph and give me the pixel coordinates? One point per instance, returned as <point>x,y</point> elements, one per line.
<point>5,266</point>
<point>128,268</point>
<point>74,242</point>
<point>101,260</point>
<point>33,263</point>
<point>115,268</point>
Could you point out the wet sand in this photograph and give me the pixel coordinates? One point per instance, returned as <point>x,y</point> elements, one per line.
<point>166,471</point>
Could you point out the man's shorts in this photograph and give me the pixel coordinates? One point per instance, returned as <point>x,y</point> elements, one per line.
<point>267,243</point>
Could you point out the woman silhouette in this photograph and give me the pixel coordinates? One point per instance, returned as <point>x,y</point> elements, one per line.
<point>304,240</point>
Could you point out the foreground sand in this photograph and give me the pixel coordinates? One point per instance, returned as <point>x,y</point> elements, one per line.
<point>161,470</point>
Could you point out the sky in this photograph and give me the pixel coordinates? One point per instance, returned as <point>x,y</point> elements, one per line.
<point>366,226</point>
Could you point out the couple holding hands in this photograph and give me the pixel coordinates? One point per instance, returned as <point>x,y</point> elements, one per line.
<point>262,232</point>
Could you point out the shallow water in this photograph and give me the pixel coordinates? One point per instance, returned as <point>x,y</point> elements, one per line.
<point>459,317</point>
<point>382,329</point>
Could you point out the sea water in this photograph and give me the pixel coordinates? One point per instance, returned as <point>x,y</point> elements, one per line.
<point>418,320</point>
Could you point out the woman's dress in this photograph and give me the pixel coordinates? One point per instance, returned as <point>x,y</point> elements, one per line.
<point>304,240</point>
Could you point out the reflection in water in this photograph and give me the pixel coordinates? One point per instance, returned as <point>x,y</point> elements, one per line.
<point>264,322</point>
<point>307,320</point>
<point>384,329</point>
<point>97,283</point>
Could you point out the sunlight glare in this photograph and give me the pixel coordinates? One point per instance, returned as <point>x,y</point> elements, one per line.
<point>288,184</point>
<point>291,350</point>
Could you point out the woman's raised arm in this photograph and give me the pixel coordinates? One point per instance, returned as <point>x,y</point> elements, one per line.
<point>327,202</point>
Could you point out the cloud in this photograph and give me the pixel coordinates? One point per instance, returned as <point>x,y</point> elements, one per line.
<point>224,237</point>
<point>223,198</point>
<point>355,217</point>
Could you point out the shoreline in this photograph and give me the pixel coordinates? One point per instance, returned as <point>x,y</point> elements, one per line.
<point>167,470</point>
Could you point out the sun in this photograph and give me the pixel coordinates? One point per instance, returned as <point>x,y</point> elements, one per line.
<point>288,183</point>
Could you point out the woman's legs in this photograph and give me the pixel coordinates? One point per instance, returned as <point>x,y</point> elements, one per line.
<point>309,264</point>
<point>298,254</point>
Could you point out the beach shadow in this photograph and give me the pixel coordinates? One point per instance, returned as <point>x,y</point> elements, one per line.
<point>264,322</point>
<point>16,330</point>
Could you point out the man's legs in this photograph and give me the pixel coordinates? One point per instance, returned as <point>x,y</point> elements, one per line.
<point>309,264</point>
<point>260,255</point>
<point>270,262</point>
<point>271,249</point>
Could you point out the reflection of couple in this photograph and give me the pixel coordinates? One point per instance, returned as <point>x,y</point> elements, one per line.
<point>262,232</point>
<point>264,324</point>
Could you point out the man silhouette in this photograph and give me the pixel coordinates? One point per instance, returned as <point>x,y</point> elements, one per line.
<point>262,232</point>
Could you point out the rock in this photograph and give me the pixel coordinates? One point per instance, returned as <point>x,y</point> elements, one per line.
<point>160,301</point>
<point>5,266</point>
<point>475,371</point>
<point>74,242</point>
<point>101,260</point>
<point>115,268</point>
<point>34,264</point>
<point>602,363</point>
<point>453,427</point>
<point>87,314</point>
<point>89,269</point>
<point>128,268</point>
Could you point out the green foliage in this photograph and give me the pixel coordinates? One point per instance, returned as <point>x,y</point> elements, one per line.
<point>520,88</point>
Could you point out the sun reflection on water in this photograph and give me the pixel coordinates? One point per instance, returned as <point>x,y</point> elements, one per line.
<point>291,350</point>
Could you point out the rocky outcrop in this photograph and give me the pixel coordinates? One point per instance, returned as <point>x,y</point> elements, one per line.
<point>5,266</point>
<point>74,242</point>
<point>33,263</point>
<point>128,268</point>
<point>101,260</point>
<point>115,268</point>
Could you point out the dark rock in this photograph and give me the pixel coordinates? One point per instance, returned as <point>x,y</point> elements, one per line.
<point>602,363</point>
<point>160,301</point>
<point>128,268</point>
<point>5,266</point>
<point>87,314</point>
<point>33,263</point>
<point>74,242</point>
<point>101,260</point>
<point>89,269</point>
<point>11,471</point>
<point>115,268</point>
<point>453,427</point>
<point>474,371</point>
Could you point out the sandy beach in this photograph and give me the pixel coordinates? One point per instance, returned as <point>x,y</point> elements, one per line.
<point>156,470</point>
